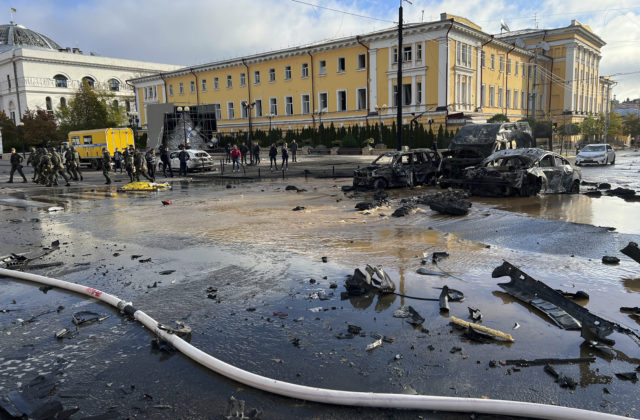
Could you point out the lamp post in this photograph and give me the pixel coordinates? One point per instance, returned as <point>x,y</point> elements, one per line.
<point>184,111</point>
<point>320,127</point>
<point>380,110</point>
<point>248,107</point>
<point>270,116</point>
<point>399,83</point>
<point>133,123</point>
<point>21,132</point>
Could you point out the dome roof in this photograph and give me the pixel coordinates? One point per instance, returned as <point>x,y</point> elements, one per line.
<point>16,36</point>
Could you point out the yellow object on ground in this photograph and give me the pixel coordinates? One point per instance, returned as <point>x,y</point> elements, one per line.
<point>483,329</point>
<point>145,186</point>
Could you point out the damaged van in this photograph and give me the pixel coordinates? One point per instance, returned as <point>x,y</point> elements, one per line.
<point>475,142</point>
<point>523,172</point>
<point>398,169</point>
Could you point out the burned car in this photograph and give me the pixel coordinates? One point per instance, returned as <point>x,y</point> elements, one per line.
<point>398,169</point>
<point>475,142</point>
<point>523,172</point>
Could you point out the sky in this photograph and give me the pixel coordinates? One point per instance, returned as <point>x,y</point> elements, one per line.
<point>191,32</point>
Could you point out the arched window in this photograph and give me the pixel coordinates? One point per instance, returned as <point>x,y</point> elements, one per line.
<point>63,102</point>
<point>114,85</point>
<point>61,81</point>
<point>49,106</point>
<point>12,112</point>
<point>89,80</point>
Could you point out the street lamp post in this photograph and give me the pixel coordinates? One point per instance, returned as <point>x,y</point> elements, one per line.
<point>320,127</point>
<point>399,83</point>
<point>133,123</point>
<point>270,116</point>
<point>380,110</point>
<point>248,107</point>
<point>184,111</point>
<point>21,132</point>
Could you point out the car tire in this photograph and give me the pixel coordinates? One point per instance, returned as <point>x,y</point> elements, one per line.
<point>575,187</point>
<point>613,162</point>
<point>380,184</point>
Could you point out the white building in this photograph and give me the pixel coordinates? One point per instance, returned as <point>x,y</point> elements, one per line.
<point>37,73</point>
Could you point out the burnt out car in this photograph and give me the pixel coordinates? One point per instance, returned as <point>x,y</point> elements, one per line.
<point>523,172</point>
<point>398,169</point>
<point>474,142</point>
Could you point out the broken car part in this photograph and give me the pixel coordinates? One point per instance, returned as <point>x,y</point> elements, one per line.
<point>328,396</point>
<point>562,380</point>
<point>541,362</point>
<point>87,317</point>
<point>409,312</point>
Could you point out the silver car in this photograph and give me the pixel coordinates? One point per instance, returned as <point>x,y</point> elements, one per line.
<point>599,154</point>
<point>199,160</point>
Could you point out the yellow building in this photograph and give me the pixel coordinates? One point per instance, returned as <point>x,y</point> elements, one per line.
<point>453,74</point>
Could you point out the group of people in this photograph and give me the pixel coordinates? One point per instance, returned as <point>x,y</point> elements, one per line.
<point>132,161</point>
<point>48,164</point>
<point>237,155</point>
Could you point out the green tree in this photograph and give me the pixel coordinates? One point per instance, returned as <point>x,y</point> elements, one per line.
<point>615,125</point>
<point>631,125</point>
<point>592,127</point>
<point>89,108</point>
<point>40,129</point>
<point>498,118</point>
<point>10,136</point>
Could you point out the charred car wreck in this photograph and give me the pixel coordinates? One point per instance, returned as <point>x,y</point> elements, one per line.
<point>523,172</point>
<point>475,142</point>
<point>398,169</point>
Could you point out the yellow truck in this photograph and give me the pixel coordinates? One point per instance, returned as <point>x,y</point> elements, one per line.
<point>89,143</point>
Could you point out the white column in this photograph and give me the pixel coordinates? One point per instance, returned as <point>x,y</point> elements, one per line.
<point>373,80</point>
<point>413,90</point>
<point>443,71</point>
<point>569,74</point>
<point>478,80</point>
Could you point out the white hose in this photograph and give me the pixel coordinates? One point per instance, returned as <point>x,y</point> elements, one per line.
<point>321,395</point>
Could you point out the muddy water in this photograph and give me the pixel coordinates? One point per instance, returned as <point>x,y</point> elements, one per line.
<point>248,244</point>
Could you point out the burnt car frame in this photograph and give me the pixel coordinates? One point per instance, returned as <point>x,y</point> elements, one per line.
<point>474,142</point>
<point>398,169</point>
<point>523,172</point>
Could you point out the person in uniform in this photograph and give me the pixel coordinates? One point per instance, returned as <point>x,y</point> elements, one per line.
<point>256,153</point>
<point>140,164</point>
<point>58,168</point>
<point>166,161</point>
<point>150,157</point>
<point>183,157</point>
<point>76,161</point>
<point>70,163</point>
<point>117,159</point>
<point>45,169</point>
<point>128,163</point>
<point>294,149</point>
<point>16,165</point>
<point>33,161</point>
<point>106,165</point>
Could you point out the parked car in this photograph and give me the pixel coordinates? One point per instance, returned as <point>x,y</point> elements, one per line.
<point>199,160</point>
<point>523,172</point>
<point>599,154</point>
<point>474,142</point>
<point>398,169</point>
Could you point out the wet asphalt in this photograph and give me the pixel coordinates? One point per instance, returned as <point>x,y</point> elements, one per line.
<point>248,273</point>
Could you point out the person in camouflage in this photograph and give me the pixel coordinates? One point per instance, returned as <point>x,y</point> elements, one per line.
<point>76,162</point>
<point>58,168</point>
<point>106,165</point>
<point>69,162</point>
<point>141,166</point>
<point>16,165</point>
<point>45,168</point>
<point>128,163</point>
<point>33,161</point>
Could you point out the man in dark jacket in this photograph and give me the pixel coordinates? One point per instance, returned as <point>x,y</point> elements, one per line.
<point>16,165</point>
<point>150,157</point>
<point>183,157</point>
<point>243,157</point>
<point>273,153</point>
<point>166,161</point>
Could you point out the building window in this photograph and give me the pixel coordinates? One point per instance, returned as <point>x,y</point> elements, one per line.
<point>515,97</point>
<point>231,113</point>
<point>216,83</point>
<point>509,66</point>
<point>394,101</point>
<point>272,75</point>
<point>406,94</point>
<point>288,105</point>
<point>243,79</point>
<point>395,56</point>
<point>114,85</point>
<point>323,68</point>
<point>87,79</point>
<point>362,61</point>
<point>342,100</point>
<point>63,102</point>
<point>170,90</point>
<point>229,82</point>
<point>287,73</point>
<point>323,100</point>
<point>523,99</point>
<point>204,85</point>
<point>418,52</point>
<point>9,81</point>
<point>493,62</point>
<point>256,77</point>
<point>501,64</point>
<point>463,54</point>
<point>127,105</point>
<point>483,59</point>
<point>418,93</point>
<point>516,68</point>
<point>61,81</point>
<point>341,65</point>
<point>500,96</point>
<point>305,70</point>
<point>244,110</point>
<point>258,107</point>
<point>492,97</point>
<point>49,105</point>
<point>483,95</point>
<point>218,111</point>
<point>361,98</point>
<point>181,88</point>
<point>192,86</point>
<point>406,53</point>
<point>508,98</point>
<point>306,104</point>
<point>523,68</point>
<point>273,106</point>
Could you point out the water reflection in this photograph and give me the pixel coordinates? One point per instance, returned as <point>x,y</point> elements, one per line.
<point>632,285</point>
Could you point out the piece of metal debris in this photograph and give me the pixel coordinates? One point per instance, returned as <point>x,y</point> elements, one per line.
<point>426,272</point>
<point>632,251</point>
<point>541,362</point>
<point>374,345</point>
<point>87,317</point>
<point>475,314</point>
<point>562,380</point>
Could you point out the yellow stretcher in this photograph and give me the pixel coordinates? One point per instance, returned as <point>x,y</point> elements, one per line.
<point>145,186</point>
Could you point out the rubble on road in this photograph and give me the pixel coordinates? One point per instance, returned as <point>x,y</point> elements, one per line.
<point>452,202</point>
<point>360,283</point>
<point>632,251</point>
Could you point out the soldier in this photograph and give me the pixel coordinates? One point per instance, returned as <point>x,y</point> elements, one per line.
<point>45,169</point>
<point>150,157</point>
<point>128,163</point>
<point>16,165</point>
<point>140,164</point>
<point>58,167</point>
<point>70,163</point>
<point>106,164</point>
<point>33,161</point>
<point>76,161</point>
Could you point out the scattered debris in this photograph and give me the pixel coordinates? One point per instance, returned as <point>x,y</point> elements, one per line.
<point>621,192</point>
<point>593,193</point>
<point>474,335</point>
<point>374,345</point>
<point>55,208</point>
<point>540,362</point>
<point>354,329</point>
<point>45,289</point>
<point>64,333</point>
<point>235,410</point>
<point>604,186</point>
<point>181,329</point>
<point>482,328</point>
<point>444,299</point>
<point>360,283</point>
<point>135,257</point>
<point>166,202</point>
<point>166,272</point>
<point>317,309</point>
<point>610,260</point>
<point>87,317</point>
<point>435,257</point>
<point>579,295</point>
<point>325,259</point>
<point>146,260</point>
<point>628,376</point>
<point>403,211</point>
<point>455,350</point>
<point>634,310</point>
<point>561,379</point>
<point>475,314</point>
<point>34,401</point>
<point>516,326</point>
<point>409,312</point>
<point>632,251</point>
<point>298,208</point>
<point>426,272</point>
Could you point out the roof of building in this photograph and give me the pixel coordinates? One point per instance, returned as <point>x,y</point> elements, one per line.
<point>17,36</point>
